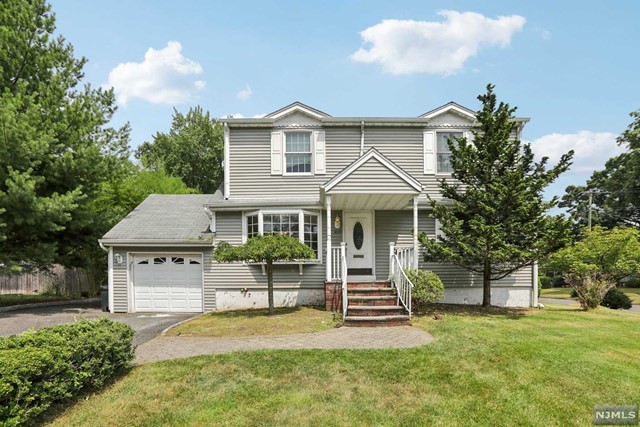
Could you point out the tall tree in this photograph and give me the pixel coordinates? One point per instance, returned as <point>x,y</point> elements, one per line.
<point>494,218</point>
<point>55,148</point>
<point>615,190</point>
<point>192,150</point>
<point>265,249</point>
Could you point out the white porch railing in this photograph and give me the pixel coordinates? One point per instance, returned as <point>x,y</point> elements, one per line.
<point>336,264</point>
<point>399,259</point>
<point>339,272</point>
<point>343,274</point>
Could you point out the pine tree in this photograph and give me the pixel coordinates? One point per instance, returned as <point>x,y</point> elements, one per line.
<point>493,216</point>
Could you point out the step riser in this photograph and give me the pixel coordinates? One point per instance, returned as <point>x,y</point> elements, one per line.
<point>377,324</point>
<point>380,302</point>
<point>368,285</point>
<point>374,312</point>
<point>370,292</point>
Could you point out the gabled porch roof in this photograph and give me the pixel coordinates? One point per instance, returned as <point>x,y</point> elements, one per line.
<point>371,182</point>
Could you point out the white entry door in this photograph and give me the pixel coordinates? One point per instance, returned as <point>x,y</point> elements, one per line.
<point>358,234</point>
<point>167,282</point>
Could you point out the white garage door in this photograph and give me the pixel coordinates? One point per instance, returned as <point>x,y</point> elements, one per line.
<point>166,282</point>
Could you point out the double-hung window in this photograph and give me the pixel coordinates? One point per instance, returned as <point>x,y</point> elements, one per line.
<point>297,152</point>
<point>443,151</point>
<point>299,224</point>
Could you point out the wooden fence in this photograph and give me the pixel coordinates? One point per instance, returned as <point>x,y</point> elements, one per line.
<point>64,281</point>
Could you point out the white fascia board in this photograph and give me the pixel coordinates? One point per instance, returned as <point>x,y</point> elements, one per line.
<point>155,242</point>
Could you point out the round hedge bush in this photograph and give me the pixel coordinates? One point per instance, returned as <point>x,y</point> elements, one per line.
<point>427,286</point>
<point>616,299</point>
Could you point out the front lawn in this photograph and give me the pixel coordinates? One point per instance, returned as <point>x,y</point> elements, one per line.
<point>287,320</point>
<point>7,300</point>
<point>547,367</point>
<point>565,293</point>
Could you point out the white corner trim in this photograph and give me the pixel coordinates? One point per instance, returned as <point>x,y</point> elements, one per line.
<point>110,279</point>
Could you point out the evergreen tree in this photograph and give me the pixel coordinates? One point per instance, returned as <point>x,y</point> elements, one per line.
<point>55,148</point>
<point>493,216</point>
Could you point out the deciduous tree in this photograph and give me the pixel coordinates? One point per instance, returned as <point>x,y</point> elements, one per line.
<point>192,150</point>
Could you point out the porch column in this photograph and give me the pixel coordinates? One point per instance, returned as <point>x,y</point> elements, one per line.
<point>415,232</point>
<point>329,258</point>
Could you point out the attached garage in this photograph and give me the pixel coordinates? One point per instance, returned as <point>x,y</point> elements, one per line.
<point>167,283</point>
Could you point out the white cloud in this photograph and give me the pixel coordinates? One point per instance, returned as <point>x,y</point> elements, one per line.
<point>592,149</point>
<point>165,76</point>
<point>407,46</point>
<point>242,116</point>
<point>245,93</point>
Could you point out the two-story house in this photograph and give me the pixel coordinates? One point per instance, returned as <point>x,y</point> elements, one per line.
<point>352,188</point>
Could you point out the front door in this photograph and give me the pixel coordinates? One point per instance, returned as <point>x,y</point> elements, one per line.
<point>358,233</point>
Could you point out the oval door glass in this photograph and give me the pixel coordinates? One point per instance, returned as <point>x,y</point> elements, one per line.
<point>358,235</point>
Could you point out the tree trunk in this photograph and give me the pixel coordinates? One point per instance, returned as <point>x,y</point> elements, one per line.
<point>269,267</point>
<point>486,284</point>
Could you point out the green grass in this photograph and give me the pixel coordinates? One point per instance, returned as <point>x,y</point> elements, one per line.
<point>18,299</point>
<point>565,293</point>
<point>525,368</point>
<point>287,320</point>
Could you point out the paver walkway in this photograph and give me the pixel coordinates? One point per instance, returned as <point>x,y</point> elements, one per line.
<point>164,347</point>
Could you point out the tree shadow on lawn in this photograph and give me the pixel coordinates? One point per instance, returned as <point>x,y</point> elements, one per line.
<point>58,409</point>
<point>434,310</point>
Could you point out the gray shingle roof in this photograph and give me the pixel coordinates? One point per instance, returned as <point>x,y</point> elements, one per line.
<point>179,217</point>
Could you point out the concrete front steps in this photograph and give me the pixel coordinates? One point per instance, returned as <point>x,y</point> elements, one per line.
<point>373,304</point>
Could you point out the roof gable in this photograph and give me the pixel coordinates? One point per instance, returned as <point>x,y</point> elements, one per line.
<point>452,108</point>
<point>297,107</point>
<point>387,176</point>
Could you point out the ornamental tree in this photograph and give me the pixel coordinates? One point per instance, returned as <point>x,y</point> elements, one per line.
<point>265,249</point>
<point>593,264</point>
<point>493,216</point>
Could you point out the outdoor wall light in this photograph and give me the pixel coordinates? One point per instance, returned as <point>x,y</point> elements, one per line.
<point>336,223</point>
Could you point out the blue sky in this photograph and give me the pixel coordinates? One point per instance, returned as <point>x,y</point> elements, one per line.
<point>571,66</point>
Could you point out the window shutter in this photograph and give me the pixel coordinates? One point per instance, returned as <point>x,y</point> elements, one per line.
<point>429,151</point>
<point>276,153</point>
<point>320,153</point>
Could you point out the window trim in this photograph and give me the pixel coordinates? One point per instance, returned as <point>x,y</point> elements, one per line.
<point>300,212</point>
<point>311,152</point>
<point>435,151</point>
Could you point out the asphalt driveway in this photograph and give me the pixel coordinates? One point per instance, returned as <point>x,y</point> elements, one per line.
<point>146,325</point>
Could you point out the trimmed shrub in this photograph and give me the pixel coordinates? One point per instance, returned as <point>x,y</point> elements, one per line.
<point>39,368</point>
<point>427,286</point>
<point>616,299</point>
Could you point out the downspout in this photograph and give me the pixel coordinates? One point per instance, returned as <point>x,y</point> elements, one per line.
<point>226,165</point>
<point>361,138</point>
<point>212,218</point>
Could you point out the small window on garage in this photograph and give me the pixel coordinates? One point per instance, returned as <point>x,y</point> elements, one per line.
<point>160,260</point>
<point>143,262</point>
<point>193,261</point>
<point>177,260</point>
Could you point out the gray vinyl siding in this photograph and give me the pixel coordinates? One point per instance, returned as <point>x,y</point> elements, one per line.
<point>396,226</point>
<point>250,160</point>
<point>239,275</point>
<point>120,274</point>
<point>250,164</point>
<point>120,295</point>
<point>386,181</point>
